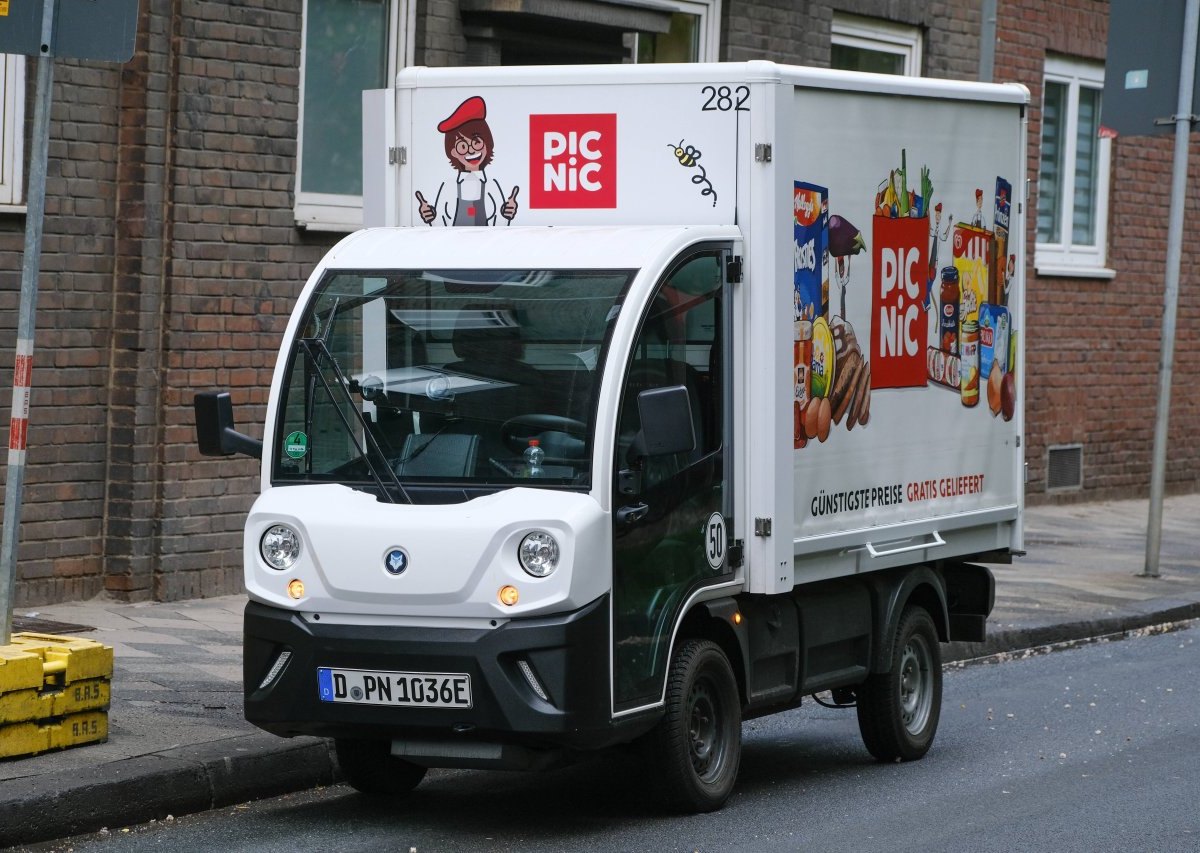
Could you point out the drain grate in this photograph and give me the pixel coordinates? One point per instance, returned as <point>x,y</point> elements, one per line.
<point>33,625</point>
<point>1064,467</point>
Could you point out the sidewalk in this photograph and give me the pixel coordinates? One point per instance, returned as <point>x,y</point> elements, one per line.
<point>178,743</point>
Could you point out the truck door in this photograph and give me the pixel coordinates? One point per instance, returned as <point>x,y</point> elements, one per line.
<point>672,513</point>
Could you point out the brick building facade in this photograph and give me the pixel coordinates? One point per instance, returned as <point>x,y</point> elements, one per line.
<point>172,256</point>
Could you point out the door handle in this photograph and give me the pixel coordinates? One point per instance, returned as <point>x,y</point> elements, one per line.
<point>632,514</point>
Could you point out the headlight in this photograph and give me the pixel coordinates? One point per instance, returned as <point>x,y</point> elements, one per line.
<point>280,547</point>
<point>539,554</point>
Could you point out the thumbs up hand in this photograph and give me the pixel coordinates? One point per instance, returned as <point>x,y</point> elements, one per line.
<point>425,210</point>
<point>509,209</point>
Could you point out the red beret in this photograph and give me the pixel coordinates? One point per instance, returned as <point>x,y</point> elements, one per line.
<point>469,110</point>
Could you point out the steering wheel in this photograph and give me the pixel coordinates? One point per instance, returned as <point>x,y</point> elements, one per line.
<point>560,437</point>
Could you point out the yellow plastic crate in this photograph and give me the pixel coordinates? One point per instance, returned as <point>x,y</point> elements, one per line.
<point>31,738</point>
<point>54,693</point>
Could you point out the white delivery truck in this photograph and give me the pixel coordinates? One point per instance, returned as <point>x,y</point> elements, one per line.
<point>663,397</point>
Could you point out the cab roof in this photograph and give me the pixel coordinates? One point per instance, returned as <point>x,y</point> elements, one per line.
<point>529,247</point>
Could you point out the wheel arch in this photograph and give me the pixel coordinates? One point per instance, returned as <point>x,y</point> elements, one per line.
<point>892,593</point>
<point>715,620</point>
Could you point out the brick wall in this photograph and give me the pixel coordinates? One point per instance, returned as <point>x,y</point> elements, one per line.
<point>171,262</point>
<point>62,554</point>
<point>799,32</point>
<point>1093,345</point>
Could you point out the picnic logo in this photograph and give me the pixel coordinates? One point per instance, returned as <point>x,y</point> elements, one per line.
<point>573,161</point>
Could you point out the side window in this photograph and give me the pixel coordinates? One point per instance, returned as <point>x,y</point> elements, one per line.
<point>349,46</point>
<point>868,44</point>
<point>677,345</point>
<point>1073,172</point>
<point>12,128</point>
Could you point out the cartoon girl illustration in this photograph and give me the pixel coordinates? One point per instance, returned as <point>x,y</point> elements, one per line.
<point>469,147</point>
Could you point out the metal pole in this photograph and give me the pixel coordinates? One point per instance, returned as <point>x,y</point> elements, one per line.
<point>23,363</point>
<point>1179,168</point>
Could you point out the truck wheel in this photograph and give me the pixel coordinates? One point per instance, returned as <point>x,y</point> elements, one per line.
<point>697,746</point>
<point>898,710</point>
<point>369,768</point>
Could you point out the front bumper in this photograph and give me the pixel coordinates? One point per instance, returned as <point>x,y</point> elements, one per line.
<point>568,653</point>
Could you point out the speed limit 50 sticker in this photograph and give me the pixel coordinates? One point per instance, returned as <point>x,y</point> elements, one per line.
<point>715,541</point>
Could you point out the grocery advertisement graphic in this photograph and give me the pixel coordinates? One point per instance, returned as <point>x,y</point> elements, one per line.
<point>946,327</point>
<point>905,334</point>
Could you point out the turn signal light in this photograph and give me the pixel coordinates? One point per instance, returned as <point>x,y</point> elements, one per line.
<point>509,595</point>
<point>296,589</point>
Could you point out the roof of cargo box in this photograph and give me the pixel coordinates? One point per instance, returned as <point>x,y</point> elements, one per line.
<point>523,247</point>
<point>756,71</point>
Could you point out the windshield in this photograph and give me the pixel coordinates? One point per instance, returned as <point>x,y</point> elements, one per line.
<point>404,379</point>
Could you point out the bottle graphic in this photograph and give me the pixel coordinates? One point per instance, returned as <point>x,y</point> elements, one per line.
<point>533,458</point>
<point>948,322</point>
<point>968,370</point>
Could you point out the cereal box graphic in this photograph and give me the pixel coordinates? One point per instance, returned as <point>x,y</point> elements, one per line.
<point>810,250</point>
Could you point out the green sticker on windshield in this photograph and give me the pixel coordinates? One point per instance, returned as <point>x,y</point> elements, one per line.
<point>296,445</point>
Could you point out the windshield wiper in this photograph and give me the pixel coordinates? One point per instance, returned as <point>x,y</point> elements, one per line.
<point>317,350</point>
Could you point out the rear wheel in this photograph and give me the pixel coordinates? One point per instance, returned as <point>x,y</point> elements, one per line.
<point>898,710</point>
<point>697,746</point>
<point>369,767</point>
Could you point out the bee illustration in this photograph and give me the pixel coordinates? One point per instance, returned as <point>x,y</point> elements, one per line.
<point>686,156</point>
<point>689,157</point>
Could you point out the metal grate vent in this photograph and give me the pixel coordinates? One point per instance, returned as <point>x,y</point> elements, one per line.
<point>1064,468</point>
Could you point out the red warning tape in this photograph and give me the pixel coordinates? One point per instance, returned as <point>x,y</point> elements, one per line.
<point>18,430</point>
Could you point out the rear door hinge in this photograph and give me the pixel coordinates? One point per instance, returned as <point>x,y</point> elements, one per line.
<point>397,155</point>
<point>762,527</point>
<point>762,152</point>
<point>733,269</point>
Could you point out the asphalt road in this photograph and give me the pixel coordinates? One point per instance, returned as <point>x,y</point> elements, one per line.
<point>1091,749</point>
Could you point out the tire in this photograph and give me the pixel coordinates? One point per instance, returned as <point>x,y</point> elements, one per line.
<point>369,768</point>
<point>898,710</point>
<point>697,746</point>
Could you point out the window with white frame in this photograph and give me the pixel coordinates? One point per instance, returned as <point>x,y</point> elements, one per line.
<point>882,47</point>
<point>694,35</point>
<point>12,131</point>
<point>1073,172</point>
<point>348,46</point>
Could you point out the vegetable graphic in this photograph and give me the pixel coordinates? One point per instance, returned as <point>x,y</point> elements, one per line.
<point>844,238</point>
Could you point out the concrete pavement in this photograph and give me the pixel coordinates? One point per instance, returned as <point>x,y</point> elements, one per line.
<point>178,743</point>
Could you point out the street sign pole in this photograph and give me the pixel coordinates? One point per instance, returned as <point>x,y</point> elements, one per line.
<point>1183,124</point>
<point>23,364</point>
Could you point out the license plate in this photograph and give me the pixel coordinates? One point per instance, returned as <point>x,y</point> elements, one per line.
<point>401,689</point>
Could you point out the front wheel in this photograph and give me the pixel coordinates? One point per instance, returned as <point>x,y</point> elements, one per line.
<point>369,767</point>
<point>697,746</point>
<point>898,710</point>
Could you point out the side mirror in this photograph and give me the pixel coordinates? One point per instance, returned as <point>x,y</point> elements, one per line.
<point>214,427</point>
<point>667,426</point>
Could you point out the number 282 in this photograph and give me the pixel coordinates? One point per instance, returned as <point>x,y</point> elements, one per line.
<point>724,99</point>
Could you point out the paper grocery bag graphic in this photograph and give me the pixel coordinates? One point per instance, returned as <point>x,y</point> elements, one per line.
<point>899,322</point>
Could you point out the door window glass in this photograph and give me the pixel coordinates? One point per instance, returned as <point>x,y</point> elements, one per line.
<point>660,546</point>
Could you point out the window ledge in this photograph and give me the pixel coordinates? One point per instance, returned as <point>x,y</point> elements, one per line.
<point>333,227</point>
<point>16,209</point>
<point>1073,271</point>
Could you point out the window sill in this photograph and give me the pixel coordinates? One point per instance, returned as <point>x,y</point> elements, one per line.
<point>14,209</point>
<point>1072,271</point>
<point>332,227</point>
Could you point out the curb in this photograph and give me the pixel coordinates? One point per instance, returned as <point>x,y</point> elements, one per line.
<point>1071,632</point>
<point>173,782</point>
